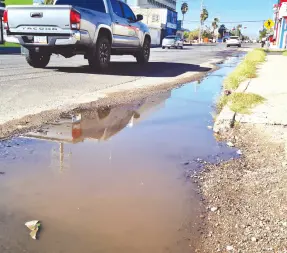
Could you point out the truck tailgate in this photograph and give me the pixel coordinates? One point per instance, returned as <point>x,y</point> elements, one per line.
<point>45,19</point>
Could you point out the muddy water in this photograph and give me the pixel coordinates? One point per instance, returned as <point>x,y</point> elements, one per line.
<point>113,179</point>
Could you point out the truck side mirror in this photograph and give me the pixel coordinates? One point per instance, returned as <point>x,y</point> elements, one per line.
<point>139,17</point>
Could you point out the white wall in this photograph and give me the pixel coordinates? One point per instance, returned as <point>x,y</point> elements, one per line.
<point>154,16</point>
<point>155,36</point>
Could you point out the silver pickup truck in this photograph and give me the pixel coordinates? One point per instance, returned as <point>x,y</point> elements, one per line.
<point>96,29</point>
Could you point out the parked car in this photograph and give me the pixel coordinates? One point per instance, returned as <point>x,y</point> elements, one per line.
<point>233,41</point>
<point>95,29</point>
<point>172,41</point>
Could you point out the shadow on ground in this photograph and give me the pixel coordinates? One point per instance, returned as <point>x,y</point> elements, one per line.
<point>152,69</point>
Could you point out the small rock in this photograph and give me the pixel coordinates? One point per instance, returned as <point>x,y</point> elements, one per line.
<point>2,173</point>
<point>213,209</point>
<point>253,239</point>
<point>230,144</point>
<point>229,248</point>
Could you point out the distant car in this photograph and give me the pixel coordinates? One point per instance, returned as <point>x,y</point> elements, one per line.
<point>172,41</point>
<point>233,41</point>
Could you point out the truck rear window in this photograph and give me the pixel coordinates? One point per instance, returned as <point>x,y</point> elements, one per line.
<point>96,5</point>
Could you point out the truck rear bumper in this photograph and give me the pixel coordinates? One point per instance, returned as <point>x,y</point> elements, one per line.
<point>75,38</point>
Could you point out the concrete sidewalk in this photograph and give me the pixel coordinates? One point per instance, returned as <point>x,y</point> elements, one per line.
<point>272,85</point>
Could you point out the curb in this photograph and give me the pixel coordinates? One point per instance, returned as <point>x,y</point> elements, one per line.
<point>10,50</point>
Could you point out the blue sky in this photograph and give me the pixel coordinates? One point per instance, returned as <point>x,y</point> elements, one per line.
<point>230,10</point>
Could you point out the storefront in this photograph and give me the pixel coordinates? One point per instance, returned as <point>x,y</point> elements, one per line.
<point>171,23</point>
<point>280,28</point>
<point>2,7</point>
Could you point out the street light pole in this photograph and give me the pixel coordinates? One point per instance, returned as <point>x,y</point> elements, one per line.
<point>200,26</point>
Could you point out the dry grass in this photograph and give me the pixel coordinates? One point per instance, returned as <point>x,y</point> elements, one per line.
<point>244,102</point>
<point>245,70</point>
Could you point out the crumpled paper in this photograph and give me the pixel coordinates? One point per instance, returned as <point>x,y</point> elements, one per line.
<point>34,226</point>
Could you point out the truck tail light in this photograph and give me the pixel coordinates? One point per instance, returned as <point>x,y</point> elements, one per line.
<point>5,20</point>
<point>75,20</point>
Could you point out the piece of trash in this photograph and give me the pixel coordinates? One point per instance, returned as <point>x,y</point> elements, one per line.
<point>230,144</point>
<point>34,226</point>
<point>239,152</point>
<point>209,127</point>
<point>213,209</point>
<point>227,92</point>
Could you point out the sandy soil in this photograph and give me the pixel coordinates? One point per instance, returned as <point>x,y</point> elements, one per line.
<point>246,198</point>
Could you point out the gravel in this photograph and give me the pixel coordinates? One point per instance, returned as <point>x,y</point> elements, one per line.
<point>251,192</point>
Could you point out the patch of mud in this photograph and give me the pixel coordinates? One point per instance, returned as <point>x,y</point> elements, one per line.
<point>246,198</point>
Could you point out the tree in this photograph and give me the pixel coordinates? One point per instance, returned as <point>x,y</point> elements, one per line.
<point>186,35</point>
<point>49,2</point>
<point>207,33</point>
<point>193,35</point>
<point>238,30</point>
<point>222,30</point>
<point>184,9</point>
<point>203,16</point>
<point>214,25</point>
<point>262,33</point>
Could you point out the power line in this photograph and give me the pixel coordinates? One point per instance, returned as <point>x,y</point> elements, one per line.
<point>226,22</point>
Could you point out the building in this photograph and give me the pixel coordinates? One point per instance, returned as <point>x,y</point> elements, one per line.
<point>164,4</point>
<point>280,28</point>
<point>161,22</point>
<point>2,8</point>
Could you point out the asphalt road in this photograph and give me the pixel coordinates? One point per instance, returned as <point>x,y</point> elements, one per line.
<point>25,90</point>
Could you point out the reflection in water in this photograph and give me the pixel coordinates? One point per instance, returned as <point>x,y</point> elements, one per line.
<point>99,124</point>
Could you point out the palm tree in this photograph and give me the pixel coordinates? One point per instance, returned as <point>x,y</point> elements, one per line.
<point>203,16</point>
<point>184,9</point>
<point>214,25</point>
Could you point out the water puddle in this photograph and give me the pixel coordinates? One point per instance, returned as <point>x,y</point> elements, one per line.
<point>113,179</point>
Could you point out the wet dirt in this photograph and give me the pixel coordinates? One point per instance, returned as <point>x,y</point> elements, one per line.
<point>113,179</point>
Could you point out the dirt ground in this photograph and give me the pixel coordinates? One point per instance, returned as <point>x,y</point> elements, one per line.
<point>246,198</point>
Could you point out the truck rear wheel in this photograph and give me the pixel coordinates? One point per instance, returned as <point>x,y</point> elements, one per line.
<point>37,60</point>
<point>143,55</point>
<point>100,58</point>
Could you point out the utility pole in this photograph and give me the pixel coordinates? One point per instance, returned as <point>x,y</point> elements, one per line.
<point>200,26</point>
